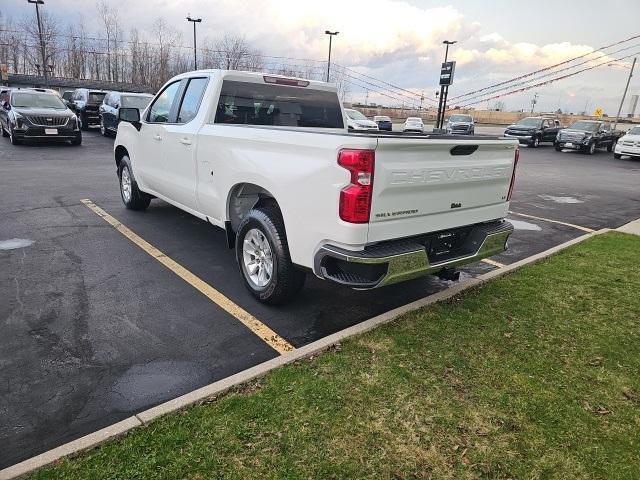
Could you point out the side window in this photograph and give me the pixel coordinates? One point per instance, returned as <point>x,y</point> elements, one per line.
<point>191,99</point>
<point>161,107</point>
<point>606,127</point>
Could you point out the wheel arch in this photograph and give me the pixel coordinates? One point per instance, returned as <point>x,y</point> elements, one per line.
<point>242,198</point>
<point>120,152</point>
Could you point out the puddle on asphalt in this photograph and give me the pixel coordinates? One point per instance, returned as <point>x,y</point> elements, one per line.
<point>151,383</point>
<point>520,225</point>
<point>15,243</point>
<point>561,199</point>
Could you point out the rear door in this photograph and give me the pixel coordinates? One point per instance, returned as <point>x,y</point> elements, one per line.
<point>422,185</point>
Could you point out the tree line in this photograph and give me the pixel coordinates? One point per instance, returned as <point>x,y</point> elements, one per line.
<point>144,58</point>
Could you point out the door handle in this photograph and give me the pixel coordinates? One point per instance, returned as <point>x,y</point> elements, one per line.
<point>185,141</point>
<point>157,137</point>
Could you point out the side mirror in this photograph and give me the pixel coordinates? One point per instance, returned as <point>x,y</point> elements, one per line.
<point>130,115</point>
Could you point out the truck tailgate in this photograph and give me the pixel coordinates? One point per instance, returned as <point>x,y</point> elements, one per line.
<point>426,184</point>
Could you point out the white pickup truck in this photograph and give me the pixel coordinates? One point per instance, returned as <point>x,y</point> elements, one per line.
<point>269,159</point>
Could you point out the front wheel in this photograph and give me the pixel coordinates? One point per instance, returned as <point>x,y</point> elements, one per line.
<point>12,138</point>
<point>263,257</point>
<point>536,142</point>
<point>84,123</point>
<point>78,140</point>
<point>591,149</point>
<point>558,149</point>
<point>131,196</point>
<point>611,146</point>
<point>4,132</point>
<point>617,155</point>
<point>103,130</point>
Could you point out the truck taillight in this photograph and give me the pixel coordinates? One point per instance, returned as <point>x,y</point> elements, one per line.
<point>513,174</point>
<point>355,199</point>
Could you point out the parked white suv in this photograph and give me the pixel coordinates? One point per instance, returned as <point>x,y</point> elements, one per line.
<point>270,160</point>
<point>628,144</point>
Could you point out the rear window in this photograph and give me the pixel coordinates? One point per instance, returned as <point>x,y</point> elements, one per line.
<point>96,96</point>
<point>244,103</point>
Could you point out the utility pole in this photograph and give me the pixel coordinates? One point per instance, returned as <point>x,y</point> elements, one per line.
<point>442,104</point>
<point>331,35</point>
<point>615,124</point>
<point>195,55</point>
<point>44,57</point>
<point>534,101</point>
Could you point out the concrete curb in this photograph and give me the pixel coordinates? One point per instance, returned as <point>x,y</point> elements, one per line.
<point>631,227</point>
<point>220,387</point>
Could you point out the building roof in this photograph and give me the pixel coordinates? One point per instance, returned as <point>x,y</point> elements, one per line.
<point>22,80</point>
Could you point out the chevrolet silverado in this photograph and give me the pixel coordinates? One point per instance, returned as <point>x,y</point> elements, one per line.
<point>270,160</point>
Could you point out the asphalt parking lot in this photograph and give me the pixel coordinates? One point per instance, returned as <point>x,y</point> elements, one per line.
<point>95,329</point>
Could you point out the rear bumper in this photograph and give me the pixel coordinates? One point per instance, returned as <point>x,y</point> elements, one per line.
<point>399,260</point>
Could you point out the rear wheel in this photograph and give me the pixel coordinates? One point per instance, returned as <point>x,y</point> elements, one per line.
<point>263,256</point>
<point>131,196</point>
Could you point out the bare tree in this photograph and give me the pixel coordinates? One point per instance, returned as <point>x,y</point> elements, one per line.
<point>50,37</point>
<point>231,51</point>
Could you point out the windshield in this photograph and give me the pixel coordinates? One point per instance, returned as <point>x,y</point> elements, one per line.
<point>634,131</point>
<point>460,118</point>
<point>37,100</point>
<point>587,126</point>
<point>96,96</point>
<point>530,122</point>
<point>355,115</point>
<point>135,101</point>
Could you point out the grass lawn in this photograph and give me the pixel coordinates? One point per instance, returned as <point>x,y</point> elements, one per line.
<point>534,375</point>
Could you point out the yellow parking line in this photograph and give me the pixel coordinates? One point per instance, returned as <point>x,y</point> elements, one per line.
<point>270,337</point>
<point>584,229</point>
<point>493,262</point>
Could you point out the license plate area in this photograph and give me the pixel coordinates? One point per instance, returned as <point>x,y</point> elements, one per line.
<point>442,246</point>
<point>51,131</point>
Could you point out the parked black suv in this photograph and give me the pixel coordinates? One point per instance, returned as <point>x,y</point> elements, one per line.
<point>38,114</point>
<point>111,104</point>
<point>587,135</point>
<point>533,131</point>
<point>85,104</point>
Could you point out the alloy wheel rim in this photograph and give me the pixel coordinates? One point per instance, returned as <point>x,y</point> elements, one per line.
<point>257,258</point>
<point>125,184</point>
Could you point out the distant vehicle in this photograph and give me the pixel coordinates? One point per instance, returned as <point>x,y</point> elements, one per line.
<point>67,97</point>
<point>460,124</point>
<point>384,122</point>
<point>413,124</point>
<point>85,103</point>
<point>356,121</point>
<point>587,135</point>
<point>110,107</point>
<point>628,144</point>
<point>533,131</point>
<point>38,114</point>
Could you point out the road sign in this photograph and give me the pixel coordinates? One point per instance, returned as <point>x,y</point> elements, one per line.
<point>446,73</point>
<point>598,112</point>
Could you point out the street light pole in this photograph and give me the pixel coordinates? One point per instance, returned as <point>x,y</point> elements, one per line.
<point>442,104</point>
<point>331,34</point>
<point>44,61</point>
<point>615,124</point>
<point>195,54</point>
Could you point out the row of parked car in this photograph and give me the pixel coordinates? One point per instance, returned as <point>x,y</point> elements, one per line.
<point>44,114</point>
<point>584,135</point>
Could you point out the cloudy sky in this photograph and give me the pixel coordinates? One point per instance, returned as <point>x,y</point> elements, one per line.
<point>400,41</point>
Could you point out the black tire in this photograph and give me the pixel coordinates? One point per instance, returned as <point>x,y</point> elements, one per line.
<point>611,146</point>
<point>4,132</point>
<point>78,140</point>
<point>558,149</point>
<point>84,123</point>
<point>103,129</point>
<point>286,279</point>
<point>133,199</point>
<point>591,149</point>
<point>14,140</point>
<point>536,142</point>
<point>617,155</point>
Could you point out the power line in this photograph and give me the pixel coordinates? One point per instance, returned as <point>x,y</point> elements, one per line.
<point>546,82</point>
<point>549,67</point>
<point>550,74</point>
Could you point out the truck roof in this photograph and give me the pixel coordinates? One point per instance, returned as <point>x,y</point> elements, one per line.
<point>259,77</point>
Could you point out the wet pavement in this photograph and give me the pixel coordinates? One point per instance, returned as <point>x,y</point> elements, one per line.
<point>94,330</point>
